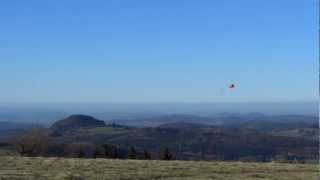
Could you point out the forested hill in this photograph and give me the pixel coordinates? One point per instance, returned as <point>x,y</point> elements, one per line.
<point>250,139</point>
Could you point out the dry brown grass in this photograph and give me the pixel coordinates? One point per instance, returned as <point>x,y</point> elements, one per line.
<point>100,169</point>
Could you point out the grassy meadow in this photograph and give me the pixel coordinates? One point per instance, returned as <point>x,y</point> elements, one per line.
<point>98,169</point>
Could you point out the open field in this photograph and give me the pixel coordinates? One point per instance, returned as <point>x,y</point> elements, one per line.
<point>62,168</point>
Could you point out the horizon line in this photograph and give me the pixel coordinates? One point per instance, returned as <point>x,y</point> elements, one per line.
<point>166,102</point>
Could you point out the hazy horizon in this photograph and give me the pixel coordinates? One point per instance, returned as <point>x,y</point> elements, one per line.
<point>47,113</point>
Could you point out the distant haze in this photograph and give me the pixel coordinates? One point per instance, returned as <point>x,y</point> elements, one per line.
<point>49,112</point>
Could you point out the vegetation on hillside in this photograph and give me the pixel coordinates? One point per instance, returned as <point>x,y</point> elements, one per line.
<point>85,137</point>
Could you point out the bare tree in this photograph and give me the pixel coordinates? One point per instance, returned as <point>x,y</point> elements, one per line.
<point>34,142</point>
<point>81,150</point>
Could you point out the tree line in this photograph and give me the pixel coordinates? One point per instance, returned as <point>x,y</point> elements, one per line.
<point>38,142</point>
<point>209,146</point>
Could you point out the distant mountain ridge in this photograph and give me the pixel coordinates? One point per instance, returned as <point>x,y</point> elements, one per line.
<point>8,125</point>
<point>183,125</point>
<point>155,121</point>
<point>219,120</point>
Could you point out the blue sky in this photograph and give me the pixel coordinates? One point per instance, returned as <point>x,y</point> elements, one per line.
<point>158,51</point>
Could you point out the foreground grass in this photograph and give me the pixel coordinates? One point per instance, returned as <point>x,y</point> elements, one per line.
<point>99,169</point>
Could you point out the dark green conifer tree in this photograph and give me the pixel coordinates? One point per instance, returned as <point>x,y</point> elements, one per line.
<point>166,155</point>
<point>132,153</point>
<point>146,155</point>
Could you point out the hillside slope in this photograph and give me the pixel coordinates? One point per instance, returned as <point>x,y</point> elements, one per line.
<point>75,122</point>
<point>61,168</point>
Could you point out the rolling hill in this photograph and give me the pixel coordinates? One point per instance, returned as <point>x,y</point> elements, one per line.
<point>74,122</point>
<point>248,140</point>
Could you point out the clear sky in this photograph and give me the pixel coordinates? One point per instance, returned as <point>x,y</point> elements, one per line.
<point>158,51</point>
